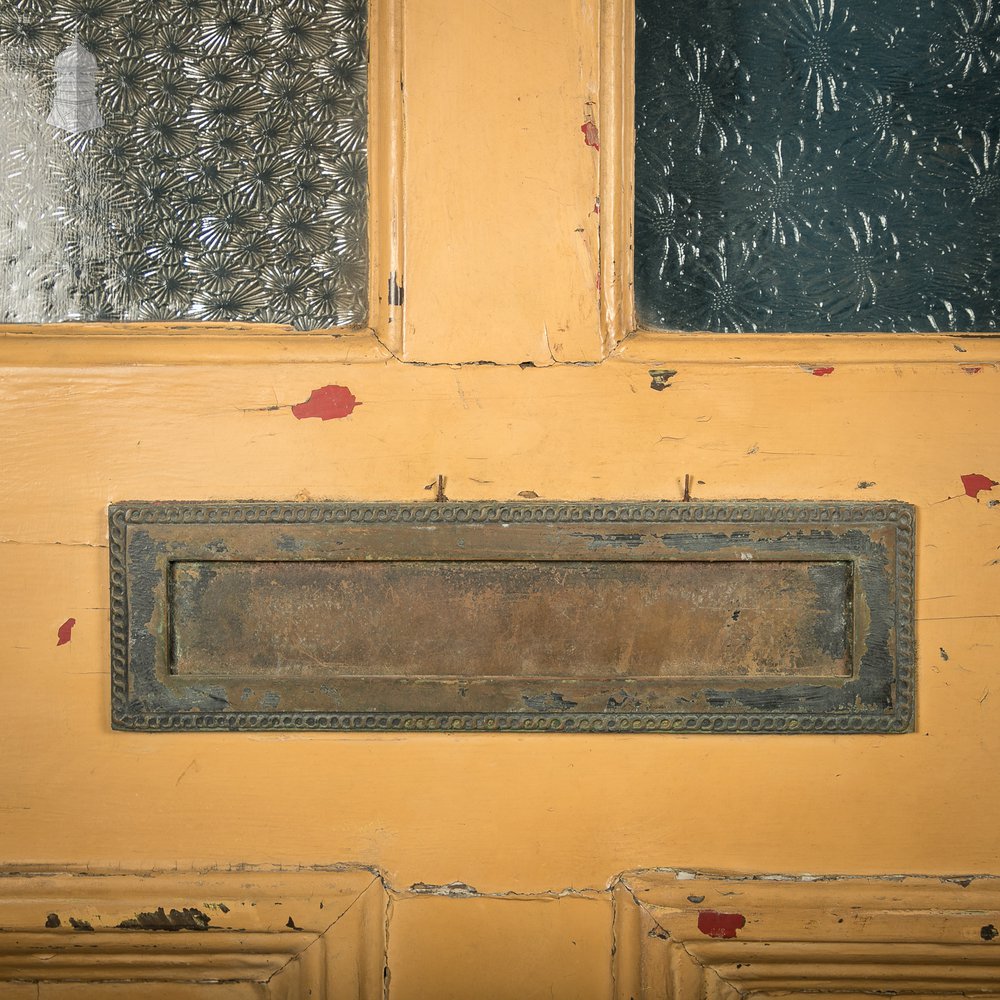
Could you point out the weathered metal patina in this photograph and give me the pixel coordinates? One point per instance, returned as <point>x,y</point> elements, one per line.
<point>626,617</point>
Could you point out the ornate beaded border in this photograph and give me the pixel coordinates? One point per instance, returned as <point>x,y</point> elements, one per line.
<point>735,512</point>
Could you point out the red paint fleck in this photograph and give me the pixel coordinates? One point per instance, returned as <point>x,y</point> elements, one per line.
<point>720,925</point>
<point>328,403</point>
<point>821,371</point>
<point>591,136</point>
<point>972,371</point>
<point>975,484</point>
<point>597,206</point>
<point>65,632</point>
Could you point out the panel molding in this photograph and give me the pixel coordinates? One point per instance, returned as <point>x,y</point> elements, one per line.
<point>323,932</point>
<point>617,182</point>
<point>318,932</point>
<point>692,936</point>
<point>386,220</point>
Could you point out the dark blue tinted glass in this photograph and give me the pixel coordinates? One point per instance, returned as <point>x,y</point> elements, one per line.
<point>818,165</point>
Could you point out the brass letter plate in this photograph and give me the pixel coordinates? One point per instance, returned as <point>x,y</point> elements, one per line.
<point>621,617</point>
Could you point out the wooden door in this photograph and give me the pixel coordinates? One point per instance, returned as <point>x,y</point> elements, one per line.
<point>502,359</point>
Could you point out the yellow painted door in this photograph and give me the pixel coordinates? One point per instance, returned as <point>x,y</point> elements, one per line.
<point>510,369</point>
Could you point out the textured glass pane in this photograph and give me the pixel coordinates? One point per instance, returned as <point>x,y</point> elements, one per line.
<point>818,165</point>
<point>183,159</point>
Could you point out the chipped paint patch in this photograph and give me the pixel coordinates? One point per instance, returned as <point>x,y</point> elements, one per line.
<point>395,291</point>
<point>975,483</point>
<point>720,925</point>
<point>591,135</point>
<point>972,370</point>
<point>330,402</point>
<point>65,632</point>
<point>176,920</point>
<point>660,378</point>
<point>455,890</point>
<point>963,882</point>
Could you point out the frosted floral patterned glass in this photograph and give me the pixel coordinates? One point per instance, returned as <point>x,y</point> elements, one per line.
<point>818,165</point>
<point>184,160</point>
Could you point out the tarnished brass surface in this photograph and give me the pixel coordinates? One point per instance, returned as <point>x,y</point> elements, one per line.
<point>745,617</point>
<point>441,618</point>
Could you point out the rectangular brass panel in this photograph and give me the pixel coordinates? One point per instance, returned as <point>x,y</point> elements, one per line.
<point>436,618</point>
<point>746,617</point>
